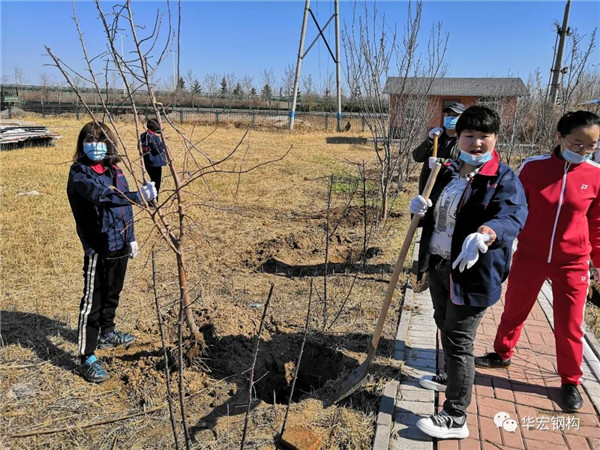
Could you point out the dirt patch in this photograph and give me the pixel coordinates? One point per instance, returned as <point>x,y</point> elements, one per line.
<point>276,365</point>
<point>302,253</point>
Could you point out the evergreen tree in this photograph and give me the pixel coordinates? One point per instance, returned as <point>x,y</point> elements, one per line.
<point>238,91</point>
<point>181,84</point>
<point>224,88</point>
<point>196,87</point>
<point>267,92</point>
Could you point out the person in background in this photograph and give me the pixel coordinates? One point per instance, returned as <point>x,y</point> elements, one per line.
<point>446,141</point>
<point>155,157</point>
<point>446,150</point>
<point>561,235</point>
<point>476,210</point>
<point>101,203</point>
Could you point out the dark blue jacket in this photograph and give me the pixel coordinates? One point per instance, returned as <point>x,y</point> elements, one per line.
<point>153,149</point>
<point>494,197</point>
<point>101,203</point>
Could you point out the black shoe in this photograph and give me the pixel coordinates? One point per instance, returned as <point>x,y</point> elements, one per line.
<point>444,426</point>
<point>115,339</point>
<point>491,361</point>
<point>434,383</point>
<point>92,371</point>
<point>570,397</point>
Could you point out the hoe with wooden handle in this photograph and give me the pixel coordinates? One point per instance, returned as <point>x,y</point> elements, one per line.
<point>356,378</point>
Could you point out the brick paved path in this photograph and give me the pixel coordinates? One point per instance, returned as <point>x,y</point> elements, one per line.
<point>528,391</point>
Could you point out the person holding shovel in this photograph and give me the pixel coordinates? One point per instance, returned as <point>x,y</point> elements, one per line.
<point>101,202</point>
<point>446,141</point>
<point>561,235</point>
<point>155,157</point>
<point>476,209</point>
<point>446,149</point>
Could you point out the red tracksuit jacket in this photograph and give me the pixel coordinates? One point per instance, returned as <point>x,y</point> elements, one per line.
<point>564,210</point>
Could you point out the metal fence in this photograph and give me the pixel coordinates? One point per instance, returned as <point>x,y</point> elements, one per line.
<point>210,116</point>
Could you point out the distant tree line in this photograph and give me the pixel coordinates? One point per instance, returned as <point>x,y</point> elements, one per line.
<point>226,91</point>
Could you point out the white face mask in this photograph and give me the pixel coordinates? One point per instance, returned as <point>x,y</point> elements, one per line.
<point>572,157</point>
<point>95,151</point>
<point>474,160</point>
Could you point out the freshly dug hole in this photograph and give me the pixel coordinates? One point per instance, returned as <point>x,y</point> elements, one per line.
<point>275,365</point>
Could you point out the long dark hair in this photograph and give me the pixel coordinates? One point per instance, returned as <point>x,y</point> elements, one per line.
<point>100,132</point>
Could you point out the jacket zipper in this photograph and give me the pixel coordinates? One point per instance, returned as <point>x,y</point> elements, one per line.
<point>560,202</point>
<point>125,230</point>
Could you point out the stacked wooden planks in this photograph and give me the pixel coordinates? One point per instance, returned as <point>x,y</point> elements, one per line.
<point>17,134</point>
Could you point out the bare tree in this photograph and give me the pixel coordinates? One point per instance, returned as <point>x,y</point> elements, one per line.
<point>190,80</point>
<point>18,76</point>
<point>139,66</point>
<point>309,97</point>
<point>211,82</point>
<point>247,86</point>
<point>268,79</point>
<point>45,82</point>
<point>372,54</point>
<point>231,79</point>
<point>288,82</point>
<point>574,90</point>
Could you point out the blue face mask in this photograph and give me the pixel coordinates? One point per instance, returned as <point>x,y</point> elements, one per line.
<point>96,151</point>
<point>574,158</point>
<point>474,160</point>
<point>450,122</point>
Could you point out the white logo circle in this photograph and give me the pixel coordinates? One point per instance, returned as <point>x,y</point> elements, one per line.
<point>509,425</point>
<point>500,417</point>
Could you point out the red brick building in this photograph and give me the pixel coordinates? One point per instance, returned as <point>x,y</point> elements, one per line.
<point>500,94</point>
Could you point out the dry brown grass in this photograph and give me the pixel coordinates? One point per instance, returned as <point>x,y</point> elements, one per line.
<point>277,211</point>
<point>229,224</point>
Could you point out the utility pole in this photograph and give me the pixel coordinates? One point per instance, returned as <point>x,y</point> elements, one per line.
<point>338,82</point>
<point>299,64</point>
<point>557,70</point>
<point>302,54</point>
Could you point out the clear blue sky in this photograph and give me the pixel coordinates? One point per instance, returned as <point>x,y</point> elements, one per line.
<point>487,38</point>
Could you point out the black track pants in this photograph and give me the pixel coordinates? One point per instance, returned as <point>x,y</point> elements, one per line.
<point>155,174</point>
<point>103,277</point>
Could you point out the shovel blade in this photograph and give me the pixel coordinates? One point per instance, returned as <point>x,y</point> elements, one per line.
<point>354,380</point>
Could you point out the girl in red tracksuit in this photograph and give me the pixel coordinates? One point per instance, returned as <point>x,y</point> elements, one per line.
<point>561,235</point>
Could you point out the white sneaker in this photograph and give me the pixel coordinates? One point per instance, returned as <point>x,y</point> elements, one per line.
<point>444,426</point>
<point>434,382</point>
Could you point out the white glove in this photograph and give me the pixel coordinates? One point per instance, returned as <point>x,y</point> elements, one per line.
<point>148,191</point>
<point>437,131</point>
<point>133,249</point>
<point>419,206</point>
<point>473,244</point>
<point>432,162</point>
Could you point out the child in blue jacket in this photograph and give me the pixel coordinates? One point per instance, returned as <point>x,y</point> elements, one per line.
<point>153,149</point>
<point>477,209</point>
<point>101,203</point>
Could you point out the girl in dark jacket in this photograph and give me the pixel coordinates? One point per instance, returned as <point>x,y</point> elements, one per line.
<point>101,203</point>
<point>155,156</point>
<point>476,210</point>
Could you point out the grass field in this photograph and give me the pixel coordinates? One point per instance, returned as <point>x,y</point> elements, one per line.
<point>243,232</point>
